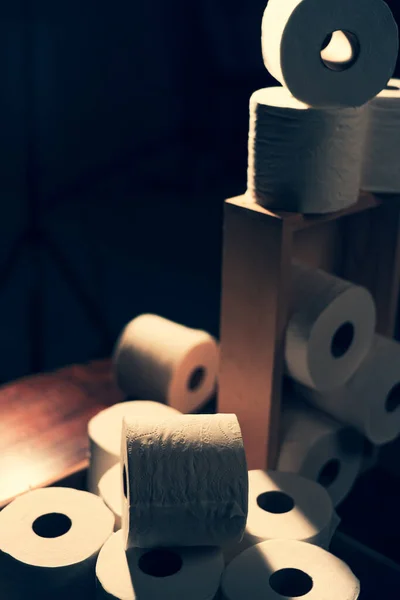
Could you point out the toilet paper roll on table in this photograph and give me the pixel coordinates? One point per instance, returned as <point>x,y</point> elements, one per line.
<point>370,400</point>
<point>319,448</point>
<point>381,170</point>
<point>49,542</point>
<point>105,431</point>
<point>157,574</point>
<point>110,491</point>
<point>185,481</point>
<point>162,360</point>
<point>286,506</point>
<point>303,159</point>
<point>288,569</point>
<point>295,32</point>
<point>330,330</point>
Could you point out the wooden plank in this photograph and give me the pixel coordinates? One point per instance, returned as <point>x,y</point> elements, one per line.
<point>256,259</point>
<point>43,425</point>
<point>371,257</point>
<point>297,221</point>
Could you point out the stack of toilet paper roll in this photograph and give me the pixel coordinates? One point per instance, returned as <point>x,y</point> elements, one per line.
<point>184,494</point>
<point>345,394</point>
<point>306,138</point>
<point>167,362</point>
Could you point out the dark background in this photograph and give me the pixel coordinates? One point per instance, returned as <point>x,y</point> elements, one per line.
<point>123,128</point>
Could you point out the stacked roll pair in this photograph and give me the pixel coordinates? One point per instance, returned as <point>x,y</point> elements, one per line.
<point>184,495</point>
<point>283,553</point>
<point>105,435</point>
<point>306,139</point>
<point>347,374</point>
<point>164,361</point>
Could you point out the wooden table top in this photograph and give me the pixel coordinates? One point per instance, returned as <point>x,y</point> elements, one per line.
<point>43,425</point>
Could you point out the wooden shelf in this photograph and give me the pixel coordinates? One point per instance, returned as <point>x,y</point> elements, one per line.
<point>361,244</point>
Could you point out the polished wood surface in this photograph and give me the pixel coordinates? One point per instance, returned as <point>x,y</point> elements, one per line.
<point>43,425</point>
<point>361,244</point>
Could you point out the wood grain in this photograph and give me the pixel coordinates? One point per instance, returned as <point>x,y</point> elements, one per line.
<point>253,319</point>
<point>43,425</point>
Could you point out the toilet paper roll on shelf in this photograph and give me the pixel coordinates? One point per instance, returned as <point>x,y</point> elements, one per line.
<point>157,574</point>
<point>286,506</point>
<point>162,360</point>
<point>185,481</point>
<point>330,329</point>
<point>49,542</point>
<point>381,170</point>
<point>110,491</point>
<point>288,569</point>
<point>370,400</point>
<point>296,33</point>
<point>303,159</point>
<point>105,431</point>
<point>319,448</point>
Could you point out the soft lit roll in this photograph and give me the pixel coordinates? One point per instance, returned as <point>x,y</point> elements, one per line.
<point>104,432</point>
<point>370,400</point>
<point>303,159</point>
<point>288,569</point>
<point>286,506</point>
<point>297,33</point>
<point>319,448</point>
<point>330,330</point>
<point>157,574</point>
<point>381,168</point>
<point>159,359</point>
<point>110,491</point>
<point>49,542</point>
<point>185,481</point>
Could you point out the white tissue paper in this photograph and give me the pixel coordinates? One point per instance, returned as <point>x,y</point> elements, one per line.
<point>185,481</point>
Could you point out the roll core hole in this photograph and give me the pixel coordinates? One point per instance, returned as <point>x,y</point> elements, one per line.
<point>291,583</point>
<point>160,563</point>
<point>393,399</point>
<point>277,503</point>
<point>52,525</point>
<point>342,340</point>
<point>125,482</point>
<point>340,50</point>
<point>196,378</point>
<point>329,472</point>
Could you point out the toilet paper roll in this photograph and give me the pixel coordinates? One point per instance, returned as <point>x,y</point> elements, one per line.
<point>330,330</point>
<point>49,542</point>
<point>295,33</point>
<point>105,430</point>
<point>319,448</point>
<point>185,481</point>
<point>110,491</point>
<point>381,171</point>
<point>288,569</point>
<point>286,506</point>
<point>370,400</point>
<point>167,362</point>
<point>157,574</point>
<point>303,159</point>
